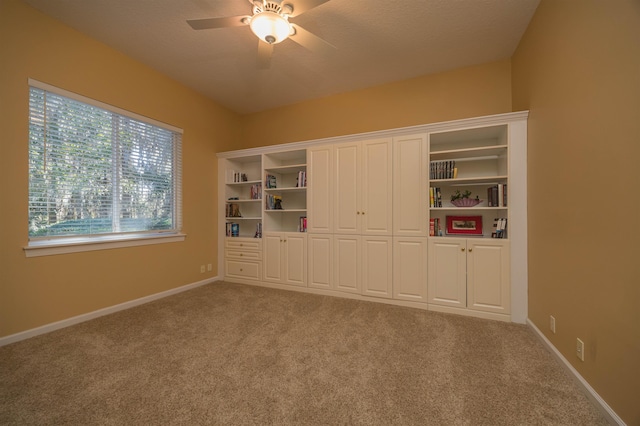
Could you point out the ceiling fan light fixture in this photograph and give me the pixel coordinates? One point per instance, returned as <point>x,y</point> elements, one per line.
<point>270,27</point>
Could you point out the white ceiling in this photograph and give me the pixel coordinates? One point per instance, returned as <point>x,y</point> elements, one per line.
<point>377,41</point>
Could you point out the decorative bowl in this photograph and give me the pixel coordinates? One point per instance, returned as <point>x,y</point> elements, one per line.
<point>466,202</point>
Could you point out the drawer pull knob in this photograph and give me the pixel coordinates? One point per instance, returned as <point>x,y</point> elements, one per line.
<point>462,249</point>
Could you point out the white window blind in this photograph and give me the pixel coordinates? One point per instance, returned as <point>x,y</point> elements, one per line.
<point>95,170</point>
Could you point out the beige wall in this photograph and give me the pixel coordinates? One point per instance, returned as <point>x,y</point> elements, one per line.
<point>463,93</point>
<point>38,291</point>
<point>577,69</point>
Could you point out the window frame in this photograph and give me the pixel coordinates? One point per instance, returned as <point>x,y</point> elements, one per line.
<point>52,245</point>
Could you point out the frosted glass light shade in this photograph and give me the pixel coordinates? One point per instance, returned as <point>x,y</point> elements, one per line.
<point>270,27</point>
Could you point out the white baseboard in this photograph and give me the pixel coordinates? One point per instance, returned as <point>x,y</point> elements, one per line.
<point>99,313</point>
<point>591,393</point>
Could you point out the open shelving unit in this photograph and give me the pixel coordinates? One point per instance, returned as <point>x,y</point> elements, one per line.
<point>243,196</point>
<point>475,160</point>
<point>285,180</point>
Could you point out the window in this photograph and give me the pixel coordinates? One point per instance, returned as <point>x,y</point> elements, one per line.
<point>97,173</point>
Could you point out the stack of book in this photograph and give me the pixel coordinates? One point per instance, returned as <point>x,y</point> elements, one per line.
<point>256,191</point>
<point>435,197</point>
<point>233,210</point>
<point>273,202</point>
<point>499,228</point>
<point>443,170</point>
<point>497,195</point>
<point>237,177</point>
<point>301,180</point>
<point>270,181</point>
<point>233,229</point>
<point>258,230</point>
<point>435,227</point>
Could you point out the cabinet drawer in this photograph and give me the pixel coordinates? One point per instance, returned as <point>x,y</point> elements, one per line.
<point>246,255</point>
<point>244,244</point>
<point>250,270</point>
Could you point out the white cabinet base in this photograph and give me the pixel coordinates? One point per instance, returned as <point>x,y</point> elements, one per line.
<point>410,268</point>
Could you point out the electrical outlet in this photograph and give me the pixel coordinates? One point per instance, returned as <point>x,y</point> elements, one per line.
<point>202,269</point>
<point>552,324</point>
<point>580,349</point>
<point>209,267</point>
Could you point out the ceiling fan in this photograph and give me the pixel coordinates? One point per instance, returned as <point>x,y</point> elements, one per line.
<point>270,23</point>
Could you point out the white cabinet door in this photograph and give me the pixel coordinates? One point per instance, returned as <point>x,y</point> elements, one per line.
<point>272,246</point>
<point>346,263</point>
<point>472,274</point>
<point>488,283</point>
<point>320,264</point>
<point>410,268</point>
<point>447,283</point>
<point>410,176</point>
<point>377,187</point>
<point>295,257</point>
<point>346,218</point>
<point>285,257</point>
<point>320,189</point>
<point>377,266</point>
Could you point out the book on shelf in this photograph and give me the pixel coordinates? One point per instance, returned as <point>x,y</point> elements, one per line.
<point>270,181</point>
<point>233,210</point>
<point>236,177</point>
<point>302,227</point>
<point>499,228</point>
<point>435,227</point>
<point>497,195</point>
<point>273,202</point>
<point>301,180</point>
<point>233,229</point>
<point>504,195</point>
<point>443,170</point>
<point>256,191</point>
<point>258,233</point>
<point>435,197</point>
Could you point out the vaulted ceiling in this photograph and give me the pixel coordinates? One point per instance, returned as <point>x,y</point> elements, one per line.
<point>375,41</point>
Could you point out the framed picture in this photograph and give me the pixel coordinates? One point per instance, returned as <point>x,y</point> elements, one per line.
<point>464,225</point>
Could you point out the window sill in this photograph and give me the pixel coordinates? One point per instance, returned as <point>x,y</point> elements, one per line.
<point>76,245</point>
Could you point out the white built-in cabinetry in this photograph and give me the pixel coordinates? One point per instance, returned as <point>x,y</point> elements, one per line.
<point>368,208</point>
<point>410,208</point>
<point>469,273</point>
<point>363,217</point>
<point>285,257</point>
<point>243,258</point>
<point>363,196</point>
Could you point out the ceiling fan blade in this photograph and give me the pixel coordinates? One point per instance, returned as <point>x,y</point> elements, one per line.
<point>264,54</point>
<point>311,41</point>
<point>301,6</point>
<point>228,21</point>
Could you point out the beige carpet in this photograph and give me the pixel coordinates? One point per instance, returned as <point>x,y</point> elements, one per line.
<point>231,354</point>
